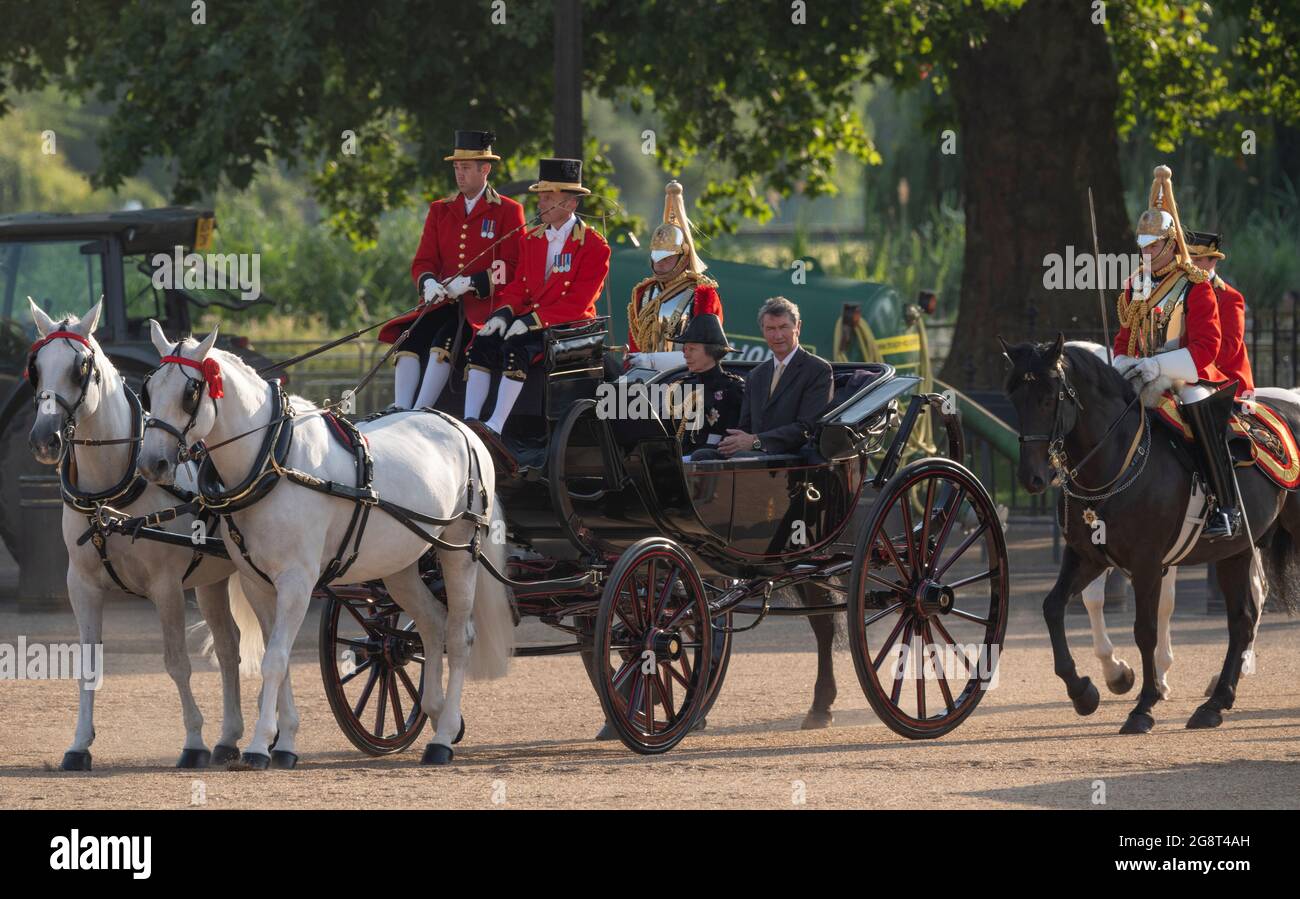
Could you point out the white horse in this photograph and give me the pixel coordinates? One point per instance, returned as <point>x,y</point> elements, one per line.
<point>76,383</point>
<point>427,464</point>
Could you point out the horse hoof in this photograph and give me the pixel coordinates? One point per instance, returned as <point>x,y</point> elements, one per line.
<point>283,759</point>
<point>817,719</point>
<point>1138,723</point>
<point>436,754</point>
<point>606,733</point>
<point>256,761</point>
<point>1088,699</point>
<point>700,725</point>
<point>76,760</point>
<point>194,758</point>
<point>1204,717</point>
<point>222,754</point>
<point>1124,682</point>
<point>460,735</point>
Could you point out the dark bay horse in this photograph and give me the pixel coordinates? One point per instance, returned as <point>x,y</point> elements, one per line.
<point>1078,413</point>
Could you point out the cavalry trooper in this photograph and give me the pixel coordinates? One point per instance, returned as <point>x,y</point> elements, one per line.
<point>1180,328</point>
<point>677,290</point>
<point>471,238</point>
<point>562,267</point>
<point>704,344</point>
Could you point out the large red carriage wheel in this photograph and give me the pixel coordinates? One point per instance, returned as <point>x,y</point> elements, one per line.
<point>928,599</point>
<point>372,666</point>
<point>654,646</point>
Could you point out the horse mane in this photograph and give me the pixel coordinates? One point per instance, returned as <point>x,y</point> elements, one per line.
<point>1089,359</point>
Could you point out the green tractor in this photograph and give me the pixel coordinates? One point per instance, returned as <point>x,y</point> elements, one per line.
<point>66,263</point>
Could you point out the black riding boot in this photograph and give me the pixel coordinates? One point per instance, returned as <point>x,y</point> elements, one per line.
<point>1208,419</point>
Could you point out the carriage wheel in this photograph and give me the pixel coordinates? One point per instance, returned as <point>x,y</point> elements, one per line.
<point>928,599</point>
<point>654,646</point>
<point>719,662</point>
<point>372,665</point>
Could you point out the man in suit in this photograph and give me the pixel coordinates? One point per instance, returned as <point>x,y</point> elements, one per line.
<point>784,395</point>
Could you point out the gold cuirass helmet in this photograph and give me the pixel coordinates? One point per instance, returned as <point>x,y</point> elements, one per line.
<point>673,237</point>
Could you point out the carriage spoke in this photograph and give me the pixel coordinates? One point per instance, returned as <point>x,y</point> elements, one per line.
<point>965,662</point>
<point>365,693</point>
<point>905,505</point>
<point>906,644</point>
<point>950,516</point>
<point>621,675</point>
<point>651,582</point>
<point>973,579</point>
<point>648,704</point>
<point>882,613</point>
<point>939,672</point>
<point>662,605</point>
<point>632,628</point>
<point>968,616</point>
<point>398,717</point>
<point>686,665</point>
<point>410,687</point>
<point>358,644</point>
<point>383,707</point>
<point>665,688</point>
<point>889,641</point>
<point>343,681</point>
<point>929,515</point>
<point>366,623</point>
<point>965,545</point>
<point>681,679</point>
<point>920,683</point>
<point>889,585</point>
<point>889,550</point>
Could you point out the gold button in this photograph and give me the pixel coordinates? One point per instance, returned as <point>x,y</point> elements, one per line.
<point>462,246</point>
<point>567,283</point>
<point>462,255</point>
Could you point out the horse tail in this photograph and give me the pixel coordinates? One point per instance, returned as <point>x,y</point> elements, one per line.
<point>494,617</point>
<point>252,646</point>
<point>1283,567</point>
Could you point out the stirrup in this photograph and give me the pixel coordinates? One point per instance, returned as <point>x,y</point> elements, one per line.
<point>1223,524</point>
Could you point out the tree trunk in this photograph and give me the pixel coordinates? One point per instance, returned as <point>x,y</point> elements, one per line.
<point>1036,106</point>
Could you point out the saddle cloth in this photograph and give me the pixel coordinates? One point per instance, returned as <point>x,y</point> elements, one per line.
<point>1257,436</point>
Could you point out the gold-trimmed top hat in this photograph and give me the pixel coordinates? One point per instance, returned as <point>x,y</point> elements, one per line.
<point>673,236</point>
<point>473,145</point>
<point>1203,243</point>
<point>559,174</point>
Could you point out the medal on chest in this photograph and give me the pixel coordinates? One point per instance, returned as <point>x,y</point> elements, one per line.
<point>488,229</point>
<point>563,262</point>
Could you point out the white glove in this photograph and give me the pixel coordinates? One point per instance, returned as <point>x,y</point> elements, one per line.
<point>1176,365</point>
<point>495,325</point>
<point>459,286</point>
<point>1123,364</point>
<point>517,328</point>
<point>659,361</point>
<point>434,291</point>
<point>1145,370</point>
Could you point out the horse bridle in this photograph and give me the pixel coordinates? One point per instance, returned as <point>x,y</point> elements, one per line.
<point>1056,456</point>
<point>191,403</point>
<point>88,369</point>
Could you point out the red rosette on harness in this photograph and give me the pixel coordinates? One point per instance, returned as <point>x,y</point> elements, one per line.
<point>210,368</point>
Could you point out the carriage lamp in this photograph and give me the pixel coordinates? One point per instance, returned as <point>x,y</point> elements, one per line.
<point>928,300</point>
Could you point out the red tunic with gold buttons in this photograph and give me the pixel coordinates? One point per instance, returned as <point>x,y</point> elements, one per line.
<point>1213,332</point>
<point>453,240</point>
<point>573,286</point>
<point>705,299</point>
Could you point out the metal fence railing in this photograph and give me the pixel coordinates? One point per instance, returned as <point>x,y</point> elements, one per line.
<point>326,376</point>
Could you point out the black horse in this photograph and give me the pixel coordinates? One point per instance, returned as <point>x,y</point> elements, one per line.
<point>1079,414</point>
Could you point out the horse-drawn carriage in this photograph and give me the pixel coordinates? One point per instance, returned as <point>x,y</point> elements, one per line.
<point>646,561</point>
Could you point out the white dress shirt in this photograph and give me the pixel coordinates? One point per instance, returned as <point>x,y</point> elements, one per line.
<point>470,201</point>
<point>555,239</point>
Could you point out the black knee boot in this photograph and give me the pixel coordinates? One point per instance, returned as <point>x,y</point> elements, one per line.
<point>1208,419</point>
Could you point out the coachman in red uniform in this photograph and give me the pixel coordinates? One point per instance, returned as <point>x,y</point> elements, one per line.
<point>1183,327</point>
<point>468,251</point>
<point>562,267</point>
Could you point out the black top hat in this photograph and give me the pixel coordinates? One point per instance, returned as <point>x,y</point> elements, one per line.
<point>471,145</point>
<point>559,174</point>
<point>1203,243</point>
<point>705,328</point>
